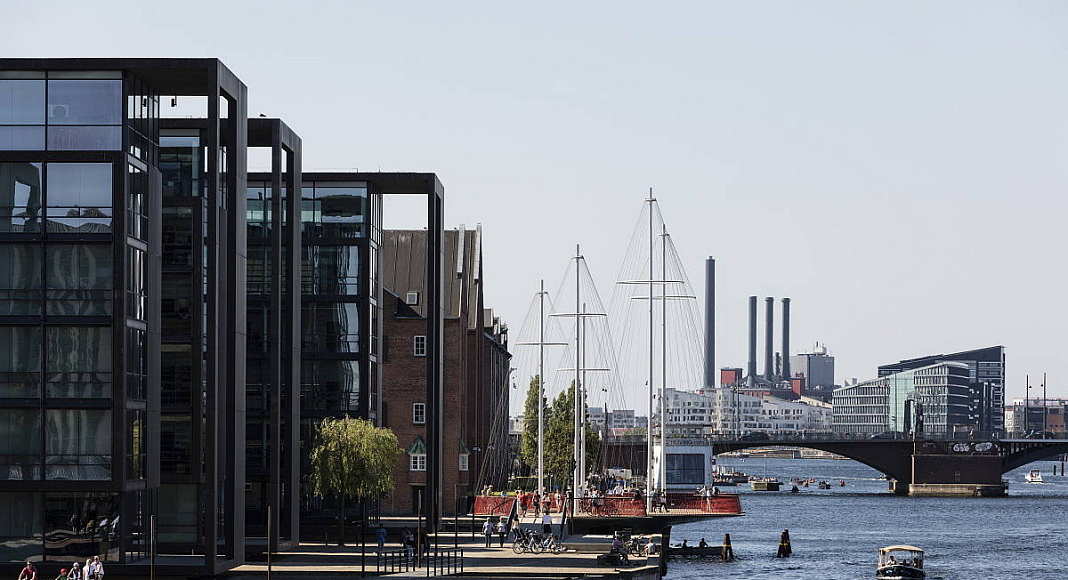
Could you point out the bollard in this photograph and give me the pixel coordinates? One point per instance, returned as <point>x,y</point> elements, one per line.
<point>784,545</point>
<point>727,552</point>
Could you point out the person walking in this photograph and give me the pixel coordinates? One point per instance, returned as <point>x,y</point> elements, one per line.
<point>380,535</point>
<point>515,529</point>
<point>502,530</point>
<point>75,572</point>
<point>546,524</point>
<point>29,572</point>
<point>487,530</point>
<point>95,569</point>
<point>536,500</point>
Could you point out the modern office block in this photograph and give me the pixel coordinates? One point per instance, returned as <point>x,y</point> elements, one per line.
<point>81,227</point>
<point>933,399</point>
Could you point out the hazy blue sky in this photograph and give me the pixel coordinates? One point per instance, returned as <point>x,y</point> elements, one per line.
<point>897,168</point>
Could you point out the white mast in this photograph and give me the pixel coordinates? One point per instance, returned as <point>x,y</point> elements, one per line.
<point>649,435</point>
<point>578,373</point>
<point>541,393</point>
<point>663,358</point>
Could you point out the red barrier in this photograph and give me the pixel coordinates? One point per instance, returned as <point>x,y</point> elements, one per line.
<point>726,504</point>
<point>493,505</point>
<point>610,506</point>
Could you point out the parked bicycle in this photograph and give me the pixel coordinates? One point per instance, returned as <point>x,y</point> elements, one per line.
<point>550,544</point>
<point>527,541</point>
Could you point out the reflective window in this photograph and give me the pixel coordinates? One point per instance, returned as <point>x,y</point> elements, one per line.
<point>176,445</point>
<point>91,138</point>
<point>22,102</point>
<point>20,279</point>
<point>330,385</point>
<point>136,440</point>
<point>22,138</point>
<point>20,444</point>
<point>79,197</point>
<point>135,283</point>
<point>331,327</point>
<point>181,165</point>
<point>20,527</point>
<point>85,102</point>
<point>21,197</point>
<point>20,361</point>
<point>79,362</point>
<point>136,364</point>
<point>136,202</point>
<point>80,279</point>
<point>78,444</point>
<point>331,270</point>
<point>80,525</point>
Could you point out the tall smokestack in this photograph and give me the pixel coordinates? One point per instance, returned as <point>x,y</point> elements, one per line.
<point>710,322</point>
<point>751,369</point>
<point>769,339</point>
<point>786,339</point>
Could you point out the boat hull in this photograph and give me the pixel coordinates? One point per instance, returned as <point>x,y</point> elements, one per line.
<point>765,485</point>
<point>899,572</point>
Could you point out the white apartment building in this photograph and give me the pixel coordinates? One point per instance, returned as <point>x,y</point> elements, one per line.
<point>722,410</point>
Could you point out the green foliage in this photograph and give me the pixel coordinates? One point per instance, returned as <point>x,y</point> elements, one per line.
<point>528,451</point>
<point>353,460</point>
<point>560,437</point>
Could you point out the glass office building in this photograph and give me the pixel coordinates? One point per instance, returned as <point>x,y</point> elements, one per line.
<point>80,299</point>
<point>935,399</point>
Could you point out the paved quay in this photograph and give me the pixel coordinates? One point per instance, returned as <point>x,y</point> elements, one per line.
<point>328,562</point>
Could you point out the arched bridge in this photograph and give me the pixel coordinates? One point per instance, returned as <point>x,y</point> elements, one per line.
<point>925,466</point>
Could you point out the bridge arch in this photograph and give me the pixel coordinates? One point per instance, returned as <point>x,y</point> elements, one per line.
<point>892,457</point>
<point>1023,451</point>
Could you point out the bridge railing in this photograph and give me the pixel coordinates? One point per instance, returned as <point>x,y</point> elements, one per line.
<point>761,438</point>
<point>674,503</point>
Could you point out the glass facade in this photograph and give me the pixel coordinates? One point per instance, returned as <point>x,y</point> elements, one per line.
<point>74,351</point>
<point>935,399</point>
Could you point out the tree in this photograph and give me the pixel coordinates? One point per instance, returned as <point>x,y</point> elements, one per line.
<point>528,451</point>
<point>352,460</point>
<point>560,437</point>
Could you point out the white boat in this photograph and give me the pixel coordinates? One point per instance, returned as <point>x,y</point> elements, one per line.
<point>900,563</point>
<point>1033,476</point>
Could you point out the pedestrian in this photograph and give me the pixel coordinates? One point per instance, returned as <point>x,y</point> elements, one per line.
<point>515,529</point>
<point>29,572</point>
<point>75,572</point>
<point>62,574</point>
<point>409,542</point>
<point>96,569</point>
<point>537,504</point>
<point>380,535</point>
<point>487,530</point>
<point>502,530</point>
<point>546,524</point>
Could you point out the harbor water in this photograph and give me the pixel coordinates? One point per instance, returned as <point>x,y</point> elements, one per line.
<point>836,532</point>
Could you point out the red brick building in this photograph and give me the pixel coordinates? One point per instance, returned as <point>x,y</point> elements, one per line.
<point>476,371</point>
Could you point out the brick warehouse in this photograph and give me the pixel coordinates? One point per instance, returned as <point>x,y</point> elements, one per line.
<point>476,372</point>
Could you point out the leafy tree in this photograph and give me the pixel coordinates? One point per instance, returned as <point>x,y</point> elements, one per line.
<point>528,450</point>
<point>560,437</point>
<point>353,460</point>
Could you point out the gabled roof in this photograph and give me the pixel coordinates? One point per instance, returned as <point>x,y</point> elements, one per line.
<point>402,263</point>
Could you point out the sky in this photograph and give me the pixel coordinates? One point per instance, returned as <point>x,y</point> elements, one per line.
<point>898,169</point>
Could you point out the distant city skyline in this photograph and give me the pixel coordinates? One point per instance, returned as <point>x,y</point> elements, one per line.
<point>897,169</point>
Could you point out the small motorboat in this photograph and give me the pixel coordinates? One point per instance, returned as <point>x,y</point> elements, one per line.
<point>764,484</point>
<point>824,485</point>
<point>795,490</point>
<point>1033,476</point>
<point>900,563</point>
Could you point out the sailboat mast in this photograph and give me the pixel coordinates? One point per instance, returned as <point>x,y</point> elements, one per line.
<point>541,394</point>
<point>581,393</point>
<point>663,360</point>
<point>577,477</point>
<point>649,435</point>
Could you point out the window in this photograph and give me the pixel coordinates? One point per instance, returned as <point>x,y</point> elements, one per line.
<point>417,462</point>
<point>79,362</point>
<point>20,362</point>
<point>79,197</point>
<point>20,443</point>
<point>135,283</point>
<point>464,461</point>
<point>411,298</point>
<point>21,199</point>
<point>79,279</point>
<point>419,345</point>
<point>78,444</point>
<point>20,279</point>
<point>419,413</point>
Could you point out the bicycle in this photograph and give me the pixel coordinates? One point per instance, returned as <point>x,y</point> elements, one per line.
<point>551,544</point>
<point>527,542</point>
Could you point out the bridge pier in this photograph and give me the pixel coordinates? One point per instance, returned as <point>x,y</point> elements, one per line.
<point>955,475</point>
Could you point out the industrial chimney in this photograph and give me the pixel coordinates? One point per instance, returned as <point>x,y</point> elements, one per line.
<point>710,323</point>
<point>786,375</point>
<point>751,368</point>
<point>769,339</point>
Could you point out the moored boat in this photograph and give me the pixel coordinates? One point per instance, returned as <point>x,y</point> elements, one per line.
<point>1033,476</point>
<point>764,484</point>
<point>900,563</point>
